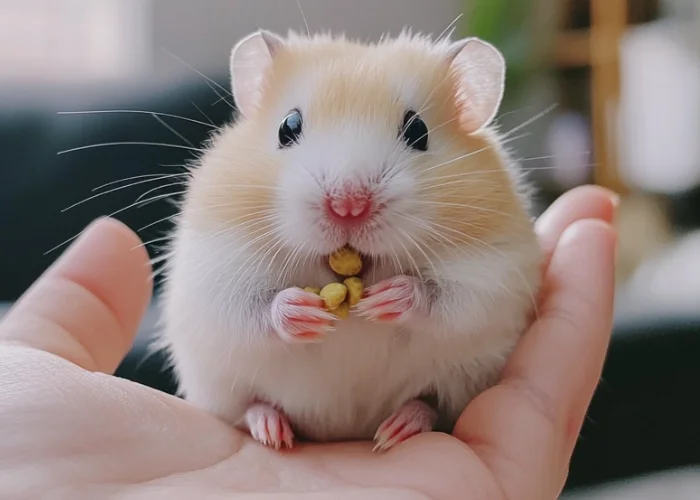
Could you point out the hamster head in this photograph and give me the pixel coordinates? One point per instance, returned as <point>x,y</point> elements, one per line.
<point>385,147</point>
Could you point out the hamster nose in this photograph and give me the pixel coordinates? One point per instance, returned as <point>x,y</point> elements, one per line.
<point>349,207</point>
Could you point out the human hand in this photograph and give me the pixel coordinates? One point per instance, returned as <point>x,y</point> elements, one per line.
<point>71,430</point>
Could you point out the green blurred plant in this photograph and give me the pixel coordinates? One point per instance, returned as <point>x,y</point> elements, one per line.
<point>507,24</point>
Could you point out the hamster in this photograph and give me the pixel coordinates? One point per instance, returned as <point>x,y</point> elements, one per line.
<point>388,148</point>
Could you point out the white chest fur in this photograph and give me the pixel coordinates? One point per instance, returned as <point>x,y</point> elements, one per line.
<point>343,387</point>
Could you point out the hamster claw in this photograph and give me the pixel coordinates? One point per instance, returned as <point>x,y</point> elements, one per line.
<point>412,418</point>
<point>300,316</point>
<point>269,426</point>
<point>393,299</point>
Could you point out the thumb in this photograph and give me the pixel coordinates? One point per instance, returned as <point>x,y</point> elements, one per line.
<point>86,308</point>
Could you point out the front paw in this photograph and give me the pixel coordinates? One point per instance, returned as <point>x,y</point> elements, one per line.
<point>300,316</point>
<point>396,299</point>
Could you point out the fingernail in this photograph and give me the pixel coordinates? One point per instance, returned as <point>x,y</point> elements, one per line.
<point>615,199</point>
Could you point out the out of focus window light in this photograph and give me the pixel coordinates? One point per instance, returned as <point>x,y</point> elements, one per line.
<point>68,41</point>
<point>659,109</point>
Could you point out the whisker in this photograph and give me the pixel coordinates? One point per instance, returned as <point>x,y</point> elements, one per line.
<point>143,176</point>
<point>130,143</point>
<point>247,186</point>
<point>150,242</point>
<point>297,253</point>
<point>513,112</point>
<point>399,165</point>
<point>420,249</point>
<point>198,72</point>
<point>259,259</point>
<point>136,111</point>
<point>303,16</point>
<point>472,153</point>
<point>547,157</point>
<point>164,219</point>
<point>531,120</point>
<point>491,248</point>
<point>395,258</point>
<point>410,258</point>
<point>423,107</point>
<point>271,260</point>
<point>461,175</point>
<point>287,266</point>
<point>113,190</point>
<point>204,115</point>
<point>267,231</point>
<point>159,259</point>
<point>311,174</point>
<point>237,203</point>
<point>227,228</point>
<point>155,198</point>
<point>430,230</point>
<point>461,205</point>
<point>243,266</point>
<point>158,188</point>
<point>171,129</point>
<point>221,98</point>
<point>449,27</point>
<point>461,180</point>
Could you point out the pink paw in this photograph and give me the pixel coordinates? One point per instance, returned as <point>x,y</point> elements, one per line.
<point>299,316</point>
<point>394,299</point>
<point>269,426</point>
<point>412,418</point>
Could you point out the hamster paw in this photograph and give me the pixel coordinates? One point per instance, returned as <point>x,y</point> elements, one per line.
<point>394,299</point>
<point>299,316</point>
<point>412,418</point>
<point>269,426</point>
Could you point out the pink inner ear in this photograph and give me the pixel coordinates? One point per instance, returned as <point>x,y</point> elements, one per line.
<point>479,72</point>
<point>250,62</point>
<point>469,119</point>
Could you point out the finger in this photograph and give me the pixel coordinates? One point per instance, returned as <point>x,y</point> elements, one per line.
<point>526,426</point>
<point>584,202</point>
<point>87,307</point>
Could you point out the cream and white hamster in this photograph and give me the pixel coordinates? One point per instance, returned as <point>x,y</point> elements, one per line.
<point>388,148</point>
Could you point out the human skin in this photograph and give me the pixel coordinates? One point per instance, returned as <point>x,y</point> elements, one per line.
<point>69,429</point>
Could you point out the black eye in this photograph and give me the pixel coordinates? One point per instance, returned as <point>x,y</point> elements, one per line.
<point>290,129</point>
<point>414,131</point>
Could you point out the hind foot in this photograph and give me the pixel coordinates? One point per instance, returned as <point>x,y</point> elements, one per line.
<point>269,426</point>
<point>412,418</point>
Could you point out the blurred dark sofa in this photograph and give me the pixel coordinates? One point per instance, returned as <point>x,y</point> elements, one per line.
<point>644,416</point>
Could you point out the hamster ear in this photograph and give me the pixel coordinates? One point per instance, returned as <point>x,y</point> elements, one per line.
<point>251,58</point>
<point>480,71</point>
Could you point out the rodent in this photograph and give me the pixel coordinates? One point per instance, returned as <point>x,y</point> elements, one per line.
<point>388,148</point>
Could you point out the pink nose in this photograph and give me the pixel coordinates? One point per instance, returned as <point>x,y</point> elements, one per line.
<point>349,207</point>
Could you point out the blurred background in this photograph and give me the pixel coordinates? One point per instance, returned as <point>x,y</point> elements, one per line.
<point>103,101</point>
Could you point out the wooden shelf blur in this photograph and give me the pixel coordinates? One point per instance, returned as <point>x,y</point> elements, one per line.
<point>573,49</point>
<point>609,19</point>
<point>597,48</point>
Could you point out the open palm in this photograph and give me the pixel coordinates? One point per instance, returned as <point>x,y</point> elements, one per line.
<point>69,429</point>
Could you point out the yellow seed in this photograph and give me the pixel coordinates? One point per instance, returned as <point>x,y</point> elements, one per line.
<point>346,262</point>
<point>343,310</point>
<point>333,295</point>
<point>355,289</point>
<point>312,289</point>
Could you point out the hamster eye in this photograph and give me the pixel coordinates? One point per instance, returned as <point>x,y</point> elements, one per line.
<point>290,129</point>
<point>414,131</point>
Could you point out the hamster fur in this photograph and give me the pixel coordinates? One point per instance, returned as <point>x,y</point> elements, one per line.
<point>448,243</point>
